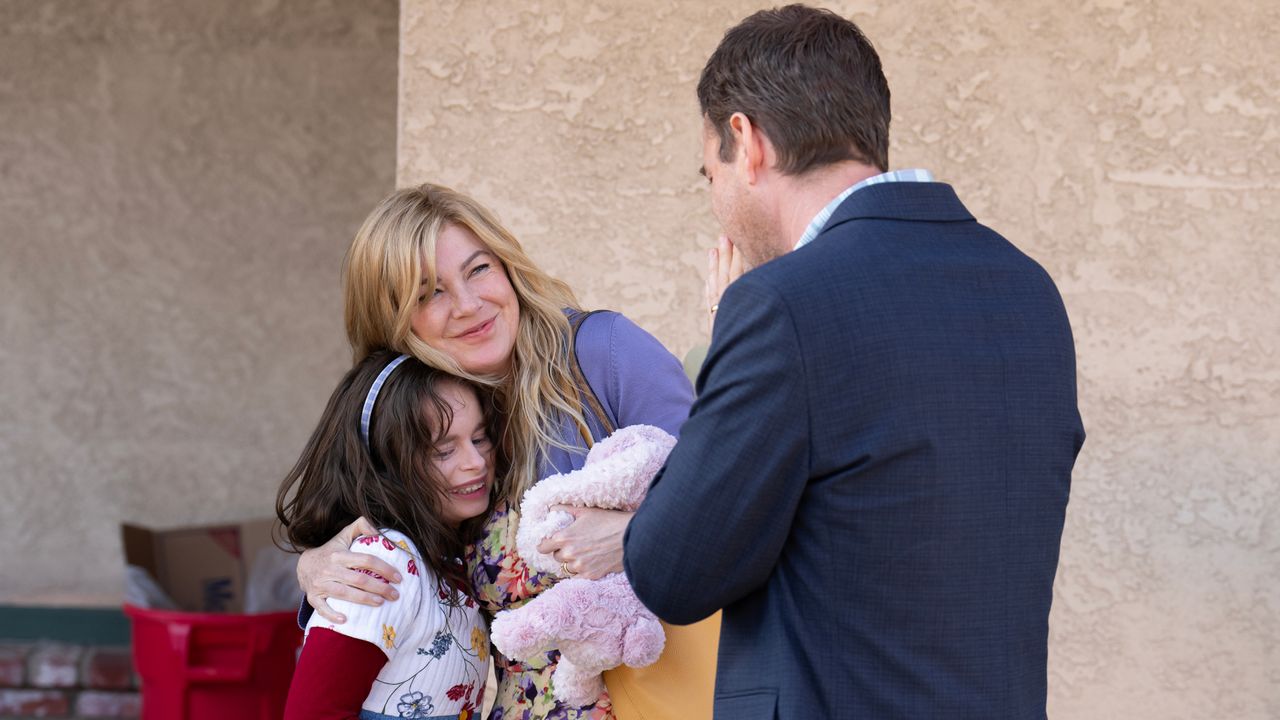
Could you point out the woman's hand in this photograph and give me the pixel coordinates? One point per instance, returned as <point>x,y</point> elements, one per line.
<point>591,546</point>
<point>724,265</point>
<point>333,571</point>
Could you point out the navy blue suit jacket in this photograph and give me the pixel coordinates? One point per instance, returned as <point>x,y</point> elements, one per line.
<point>873,479</point>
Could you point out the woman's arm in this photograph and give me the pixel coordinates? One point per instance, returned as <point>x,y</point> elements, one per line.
<point>333,571</point>
<point>333,677</point>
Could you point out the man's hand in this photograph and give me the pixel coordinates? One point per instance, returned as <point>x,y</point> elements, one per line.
<point>333,571</point>
<point>591,546</point>
<point>724,265</point>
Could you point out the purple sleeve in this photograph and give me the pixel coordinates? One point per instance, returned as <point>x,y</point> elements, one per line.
<point>637,379</point>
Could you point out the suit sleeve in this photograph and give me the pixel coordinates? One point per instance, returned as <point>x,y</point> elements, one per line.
<point>719,512</point>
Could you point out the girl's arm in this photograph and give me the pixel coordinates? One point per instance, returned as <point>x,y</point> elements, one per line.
<point>333,677</point>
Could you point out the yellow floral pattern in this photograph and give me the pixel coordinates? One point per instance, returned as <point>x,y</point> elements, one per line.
<point>480,643</point>
<point>388,637</point>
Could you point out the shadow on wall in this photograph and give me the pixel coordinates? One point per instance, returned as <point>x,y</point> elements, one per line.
<point>179,184</point>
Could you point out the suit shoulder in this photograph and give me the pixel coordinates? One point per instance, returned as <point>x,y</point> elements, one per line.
<point>783,277</point>
<point>766,284</point>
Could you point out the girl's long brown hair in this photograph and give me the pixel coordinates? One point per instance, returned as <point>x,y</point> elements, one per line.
<point>338,479</point>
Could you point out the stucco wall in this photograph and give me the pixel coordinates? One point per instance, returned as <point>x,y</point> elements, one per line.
<point>1130,147</point>
<point>178,183</point>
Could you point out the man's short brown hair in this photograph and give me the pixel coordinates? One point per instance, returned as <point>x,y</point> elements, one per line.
<point>809,80</point>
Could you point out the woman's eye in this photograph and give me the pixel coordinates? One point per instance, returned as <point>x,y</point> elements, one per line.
<point>481,439</point>
<point>443,453</point>
<point>479,268</point>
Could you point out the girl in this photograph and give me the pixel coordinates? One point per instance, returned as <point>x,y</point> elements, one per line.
<point>409,448</point>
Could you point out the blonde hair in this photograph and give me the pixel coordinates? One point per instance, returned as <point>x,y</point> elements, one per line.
<point>382,275</point>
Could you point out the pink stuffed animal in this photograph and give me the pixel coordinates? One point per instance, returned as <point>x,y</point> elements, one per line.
<point>596,624</point>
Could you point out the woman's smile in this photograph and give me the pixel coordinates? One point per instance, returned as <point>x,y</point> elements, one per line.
<point>478,332</point>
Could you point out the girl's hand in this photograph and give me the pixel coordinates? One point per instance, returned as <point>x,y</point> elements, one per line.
<point>591,546</point>
<point>724,265</point>
<point>333,571</point>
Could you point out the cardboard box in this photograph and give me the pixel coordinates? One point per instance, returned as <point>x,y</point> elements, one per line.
<point>204,569</point>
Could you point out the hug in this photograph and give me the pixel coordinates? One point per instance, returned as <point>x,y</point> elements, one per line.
<point>860,514</point>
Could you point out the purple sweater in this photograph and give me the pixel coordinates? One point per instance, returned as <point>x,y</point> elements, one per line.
<point>638,381</point>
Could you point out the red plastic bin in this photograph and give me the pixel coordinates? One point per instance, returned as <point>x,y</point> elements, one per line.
<point>207,666</point>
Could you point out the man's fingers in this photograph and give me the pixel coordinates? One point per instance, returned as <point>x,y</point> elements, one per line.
<point>713,269</point>
<point>736,265</point>
<point>724,255</point>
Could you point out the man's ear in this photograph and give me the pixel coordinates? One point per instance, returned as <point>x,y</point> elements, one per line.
<point>754,149</point>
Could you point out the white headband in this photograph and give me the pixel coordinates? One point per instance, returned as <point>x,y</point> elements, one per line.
<point>372,398</point>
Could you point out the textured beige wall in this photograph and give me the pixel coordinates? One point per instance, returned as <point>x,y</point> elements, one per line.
<point>1130,147</point>
<point>178,182</point>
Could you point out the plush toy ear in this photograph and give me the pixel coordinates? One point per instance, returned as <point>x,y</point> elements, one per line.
<point>644,639</point>
<point>574,685</point>
<point>522,633</point>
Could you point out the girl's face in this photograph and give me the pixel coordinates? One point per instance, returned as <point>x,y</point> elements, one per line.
<point>472,314</point>
<point>464,457</point>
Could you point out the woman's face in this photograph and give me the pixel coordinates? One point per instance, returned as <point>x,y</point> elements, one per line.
<point>464,457</point>
<point>472,314</point>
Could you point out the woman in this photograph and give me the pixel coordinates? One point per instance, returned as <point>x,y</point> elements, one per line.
<point>433,274</point>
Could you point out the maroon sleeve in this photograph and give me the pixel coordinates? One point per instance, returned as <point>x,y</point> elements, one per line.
<point>333,677</point>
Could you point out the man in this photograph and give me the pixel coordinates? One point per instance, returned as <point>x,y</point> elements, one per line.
<point>873,480</point>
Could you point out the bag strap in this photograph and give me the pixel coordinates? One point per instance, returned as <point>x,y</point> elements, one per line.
<point>593,406</point>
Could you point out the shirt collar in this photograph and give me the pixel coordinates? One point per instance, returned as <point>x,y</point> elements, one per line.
<point>820,220</point>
